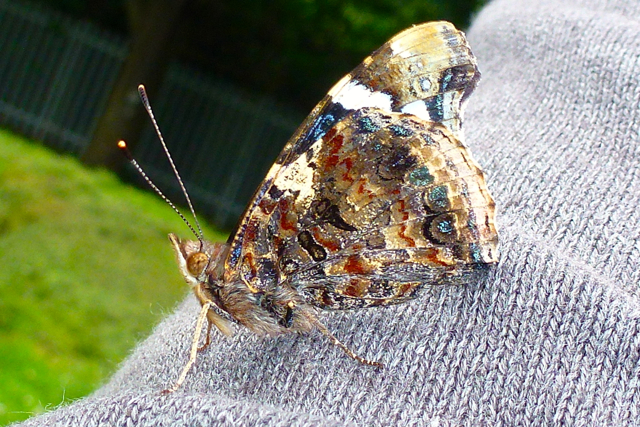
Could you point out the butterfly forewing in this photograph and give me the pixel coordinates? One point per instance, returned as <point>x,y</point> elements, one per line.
<point>427,71</point>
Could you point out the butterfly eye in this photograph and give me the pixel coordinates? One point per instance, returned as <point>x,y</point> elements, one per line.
<point>196,263</point>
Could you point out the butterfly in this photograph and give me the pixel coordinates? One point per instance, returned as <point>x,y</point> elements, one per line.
<point>372,198</point>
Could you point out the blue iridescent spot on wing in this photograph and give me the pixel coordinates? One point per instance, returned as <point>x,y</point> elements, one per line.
<point>325,121</point>
<point>446,79</point>
<point>427,139</point>
<point>368,125</point>
<point>235,254</point>
<point>322,125</point>
<point>445,226</point>
<point>438,197</point>
<point>420,176</point>
<point>400,131</point>
<point>476,254</point>
<point>435,108</point>
<point>471,223</point>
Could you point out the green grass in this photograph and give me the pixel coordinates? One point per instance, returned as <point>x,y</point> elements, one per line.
<point>86,270</point>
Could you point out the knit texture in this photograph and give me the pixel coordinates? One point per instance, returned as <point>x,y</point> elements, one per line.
<point>548,337</point>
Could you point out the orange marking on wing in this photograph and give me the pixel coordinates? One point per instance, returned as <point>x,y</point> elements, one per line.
<point>331,162</point>
<point>250,231</point>
<point>432,256</point>
<point>405,214</point>
<point>327,244</point>
<point>356,288</point>
<point>403,228</point>
<point>348,164</point>
<point>357,246</point>
<point>405,288</point>
<point>362,189</point>
<point>248,259</point>
<point>355,265</point>
<point>267,205</point>
<point>409,240</point>
<point>285,221</point>
<point>336,143</point>
<point>330,134</point>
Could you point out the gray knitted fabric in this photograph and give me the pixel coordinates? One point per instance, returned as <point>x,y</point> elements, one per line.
<point>548,337</point>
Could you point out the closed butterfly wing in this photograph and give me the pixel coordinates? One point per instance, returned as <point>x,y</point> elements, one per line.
<point>375,195</point>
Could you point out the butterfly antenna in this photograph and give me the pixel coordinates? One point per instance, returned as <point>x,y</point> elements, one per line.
<point>147,105</point>
<point>123,147</point>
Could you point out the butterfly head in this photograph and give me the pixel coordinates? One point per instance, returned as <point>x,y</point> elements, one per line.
<point>201,264</point>
<point>194,258</point>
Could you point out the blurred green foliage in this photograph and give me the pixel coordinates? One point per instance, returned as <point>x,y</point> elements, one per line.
<point>87,270</point>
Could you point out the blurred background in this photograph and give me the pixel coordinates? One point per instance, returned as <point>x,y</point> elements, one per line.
<point>85,266</point>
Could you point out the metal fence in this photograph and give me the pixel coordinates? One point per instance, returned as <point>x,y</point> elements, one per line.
<point>56,75</point>
<point>53,74</point>
<point>222,140</point>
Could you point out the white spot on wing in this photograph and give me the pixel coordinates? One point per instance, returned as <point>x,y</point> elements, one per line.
<point>450,105</point>
<point>298,176</point>
<point>425,84</point>
<point>417,108</point>
<point>355,95</point>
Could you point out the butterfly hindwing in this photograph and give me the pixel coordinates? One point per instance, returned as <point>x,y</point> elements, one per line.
<point>415,211</point>
<point>374,195</point>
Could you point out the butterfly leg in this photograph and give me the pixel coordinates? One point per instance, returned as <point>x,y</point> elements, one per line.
<point>344,348</point>
<point>208,340</point>
<point>194,349</point>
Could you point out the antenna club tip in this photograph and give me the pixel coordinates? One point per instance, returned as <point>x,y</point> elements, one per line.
<point>125,150</point>
<point>140,87</point>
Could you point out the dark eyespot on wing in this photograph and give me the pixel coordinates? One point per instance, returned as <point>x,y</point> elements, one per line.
<point>440,229</point>
<point>315,251</point>
<point>457,77</point>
